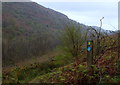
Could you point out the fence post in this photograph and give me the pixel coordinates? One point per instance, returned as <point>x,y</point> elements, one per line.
<point>89,53</point>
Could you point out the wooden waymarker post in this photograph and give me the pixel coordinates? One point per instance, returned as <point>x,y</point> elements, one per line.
<point>89,53</point>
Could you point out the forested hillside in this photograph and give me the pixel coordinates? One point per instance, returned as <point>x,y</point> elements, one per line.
<point>30,30</point>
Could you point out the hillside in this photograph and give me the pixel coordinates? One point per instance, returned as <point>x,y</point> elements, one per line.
<point>30,16</point>
<point>28,22</point>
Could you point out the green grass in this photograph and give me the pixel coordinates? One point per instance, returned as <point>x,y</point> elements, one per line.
<point>63,59</point>
<point>26,73</point>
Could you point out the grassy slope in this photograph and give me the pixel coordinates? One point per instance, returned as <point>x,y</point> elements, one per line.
<point>78,73</point>
<point>28,62</point>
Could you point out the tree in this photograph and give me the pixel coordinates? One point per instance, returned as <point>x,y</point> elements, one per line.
<point>73,38</point>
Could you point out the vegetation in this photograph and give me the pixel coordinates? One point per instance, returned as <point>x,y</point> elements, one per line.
<point>56,50</point>
<point>73,39</point>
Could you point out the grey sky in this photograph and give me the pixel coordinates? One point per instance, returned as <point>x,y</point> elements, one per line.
<point>88,13</point>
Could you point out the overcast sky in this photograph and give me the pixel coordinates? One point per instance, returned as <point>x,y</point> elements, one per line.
<point>88,13</point>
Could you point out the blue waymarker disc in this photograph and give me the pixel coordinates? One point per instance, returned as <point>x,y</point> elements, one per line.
<point>89,48</point>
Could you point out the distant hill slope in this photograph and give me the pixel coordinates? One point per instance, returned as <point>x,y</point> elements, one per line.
<point>110,32</point>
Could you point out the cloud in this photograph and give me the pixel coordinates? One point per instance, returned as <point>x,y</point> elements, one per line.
<point>88,13</point>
